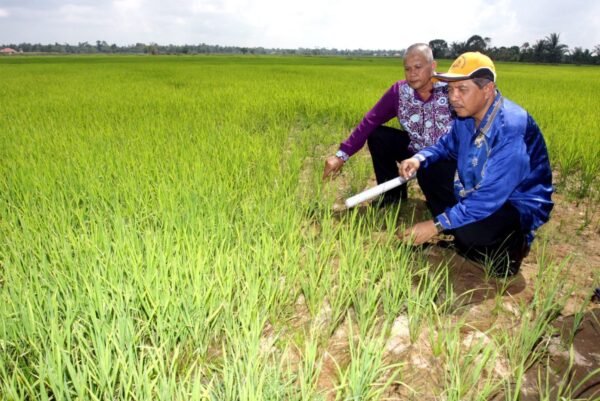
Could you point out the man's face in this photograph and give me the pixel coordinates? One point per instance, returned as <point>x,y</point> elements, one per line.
<point>468,100</point>
<point>418,71</point>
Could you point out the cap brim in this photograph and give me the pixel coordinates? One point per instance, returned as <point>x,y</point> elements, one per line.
<point>482,72</point>
<point>449,77</point>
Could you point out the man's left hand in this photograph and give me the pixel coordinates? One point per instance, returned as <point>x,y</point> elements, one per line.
<point>420,232</point>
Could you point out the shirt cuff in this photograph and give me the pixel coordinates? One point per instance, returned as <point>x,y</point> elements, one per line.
<point>444,221</point>
<point>342,155</point>
<point>419,157</point>
<point>422,159</point>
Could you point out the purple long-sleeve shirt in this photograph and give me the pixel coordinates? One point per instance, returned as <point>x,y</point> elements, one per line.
<point>425,121</point>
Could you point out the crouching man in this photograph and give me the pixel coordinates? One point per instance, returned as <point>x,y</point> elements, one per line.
<point>503,183</point>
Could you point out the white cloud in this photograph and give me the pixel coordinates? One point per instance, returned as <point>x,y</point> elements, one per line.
<point>77,13</point>
<point>373,24</point>
<point>213,6</point>
<point>127,5</point>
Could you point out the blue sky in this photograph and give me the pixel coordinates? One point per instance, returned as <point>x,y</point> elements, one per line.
<point>348,24</point>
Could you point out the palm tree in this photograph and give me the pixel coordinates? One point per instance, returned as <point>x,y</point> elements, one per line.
<point>555,49</point>
<point>539,49</point>
<point>525,52</point>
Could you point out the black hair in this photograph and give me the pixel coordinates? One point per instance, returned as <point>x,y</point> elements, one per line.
<point>481,82</point>
<point>483,74</point>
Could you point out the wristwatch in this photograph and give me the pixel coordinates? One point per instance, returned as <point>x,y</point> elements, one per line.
<point>438,225</point>
<point>340,154</point>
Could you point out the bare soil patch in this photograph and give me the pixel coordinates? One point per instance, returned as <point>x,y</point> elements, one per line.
<point>571,239</point>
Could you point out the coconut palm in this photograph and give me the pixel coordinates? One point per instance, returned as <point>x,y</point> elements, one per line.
<point>539,48</point>
<point>554,48</point>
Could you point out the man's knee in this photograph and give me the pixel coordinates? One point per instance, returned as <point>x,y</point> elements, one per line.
<point>466,238</point>
<point>381,136</point>
<point>373,140</point>
<point>474,235</point>
<point>439,173</point>
<point>503,252</point>
<point>437,182</point>
<point>424,181</point>
<point>425,178</point>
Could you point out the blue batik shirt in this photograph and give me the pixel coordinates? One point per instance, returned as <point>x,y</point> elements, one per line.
<point>504,160</point>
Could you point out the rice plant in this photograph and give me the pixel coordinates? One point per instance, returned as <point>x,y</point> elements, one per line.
<point>160,218</point>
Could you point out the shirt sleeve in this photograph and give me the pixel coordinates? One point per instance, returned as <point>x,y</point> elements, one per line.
<point>382,112</point>
<point>445,149</point>
<point>507,165</point>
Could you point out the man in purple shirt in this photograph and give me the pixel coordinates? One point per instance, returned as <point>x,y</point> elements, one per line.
<point>422,108</point>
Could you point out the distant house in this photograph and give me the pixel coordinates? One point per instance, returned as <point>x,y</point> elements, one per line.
<point>8,50</point>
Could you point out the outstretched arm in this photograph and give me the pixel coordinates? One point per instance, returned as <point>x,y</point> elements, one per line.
<point>383,111</point>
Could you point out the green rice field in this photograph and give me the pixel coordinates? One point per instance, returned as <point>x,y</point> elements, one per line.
<point>165,235</point>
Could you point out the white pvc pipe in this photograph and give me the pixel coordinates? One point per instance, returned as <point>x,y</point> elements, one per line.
<point>375,191</point>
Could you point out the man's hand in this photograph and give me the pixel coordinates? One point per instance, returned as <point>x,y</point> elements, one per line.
<point>408,167</point>
<point>333,165</point>
<point>420,232</point>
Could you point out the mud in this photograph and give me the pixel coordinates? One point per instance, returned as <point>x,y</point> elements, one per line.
<point>571,371</point>
<point>483,304</point>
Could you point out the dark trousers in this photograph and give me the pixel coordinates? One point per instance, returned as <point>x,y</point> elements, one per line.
<point>387,146</point>
<point>496,241</point>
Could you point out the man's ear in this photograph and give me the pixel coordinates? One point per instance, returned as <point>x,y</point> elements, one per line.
<point>489,90</point>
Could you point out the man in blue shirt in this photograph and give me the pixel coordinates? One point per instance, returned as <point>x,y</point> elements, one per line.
<point>503,182</point>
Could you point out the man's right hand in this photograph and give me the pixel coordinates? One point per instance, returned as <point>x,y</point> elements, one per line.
<point>333,165</point>
<point>408,167</point>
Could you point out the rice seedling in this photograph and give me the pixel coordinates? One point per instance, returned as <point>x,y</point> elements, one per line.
<point>160,218</point>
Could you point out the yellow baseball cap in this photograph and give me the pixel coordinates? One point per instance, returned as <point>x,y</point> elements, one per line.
<point>468,66</point>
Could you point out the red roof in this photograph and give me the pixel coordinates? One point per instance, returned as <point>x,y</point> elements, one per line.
<point>8,50</point>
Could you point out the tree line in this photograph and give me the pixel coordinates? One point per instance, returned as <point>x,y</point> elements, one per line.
<point>546,50</point>
<point>202,48</point>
